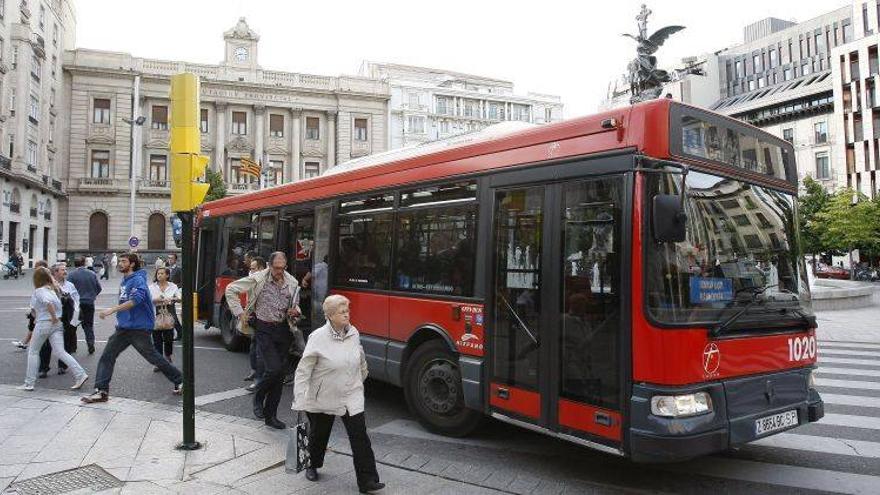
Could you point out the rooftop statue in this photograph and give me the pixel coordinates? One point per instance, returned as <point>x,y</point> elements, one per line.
<point>645,79</point>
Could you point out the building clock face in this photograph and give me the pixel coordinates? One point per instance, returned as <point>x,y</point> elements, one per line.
<point>241,54</point>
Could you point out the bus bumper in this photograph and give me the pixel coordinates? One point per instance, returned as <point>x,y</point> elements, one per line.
<point>737,406</point>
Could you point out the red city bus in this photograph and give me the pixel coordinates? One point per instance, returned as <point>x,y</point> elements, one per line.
<point>629,281</point>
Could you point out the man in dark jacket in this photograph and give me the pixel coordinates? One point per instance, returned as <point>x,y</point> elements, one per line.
<point>135,319</point>
<point>88,286</point>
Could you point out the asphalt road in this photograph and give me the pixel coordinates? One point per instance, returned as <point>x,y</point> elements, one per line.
<point>839,455</point>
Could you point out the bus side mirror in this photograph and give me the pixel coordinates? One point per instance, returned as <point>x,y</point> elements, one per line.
<point>669,218</point>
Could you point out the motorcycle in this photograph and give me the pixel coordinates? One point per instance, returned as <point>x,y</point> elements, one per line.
<point>12,271</point>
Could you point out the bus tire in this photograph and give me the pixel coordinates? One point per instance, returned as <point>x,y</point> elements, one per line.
<point>433,391</point>
<point>232,340</point>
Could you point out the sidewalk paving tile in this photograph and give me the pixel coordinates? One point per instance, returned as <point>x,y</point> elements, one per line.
<point>35,469</point>
<point>156,468</point>
<point>240,467</point>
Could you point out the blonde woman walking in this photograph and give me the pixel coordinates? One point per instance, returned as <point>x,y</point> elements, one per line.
<point>47,310</point>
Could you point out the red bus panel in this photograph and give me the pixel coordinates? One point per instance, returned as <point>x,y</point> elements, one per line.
<point>369,312</point>
<point>591,419</point>
<point>516,400</point>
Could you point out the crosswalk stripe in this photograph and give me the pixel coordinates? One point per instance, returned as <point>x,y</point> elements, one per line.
<point>825,445</point>
<point>847,352</point>
<point>847,371</point>
<point>850,420</point>
<point>827,382</point>
<point>857,345</point>
<point>851,400</point>
<point>781,475</point>
<point>835,360</point>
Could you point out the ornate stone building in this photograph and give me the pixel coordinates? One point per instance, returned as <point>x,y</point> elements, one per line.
<point>429,104</point>
<point>33,37</point>
<point>297,125</point>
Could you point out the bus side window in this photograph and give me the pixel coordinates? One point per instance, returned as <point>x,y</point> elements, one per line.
<point>240,242</point>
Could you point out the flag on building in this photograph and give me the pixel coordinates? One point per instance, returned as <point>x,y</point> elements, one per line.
<point>250,167</point>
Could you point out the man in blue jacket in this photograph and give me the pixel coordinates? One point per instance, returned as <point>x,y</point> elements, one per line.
<point>135,319</point>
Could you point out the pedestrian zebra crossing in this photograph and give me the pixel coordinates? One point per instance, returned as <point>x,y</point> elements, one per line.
<point>840,453</point>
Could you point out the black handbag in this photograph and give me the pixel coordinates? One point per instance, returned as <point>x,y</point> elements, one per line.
<point>298,457</point>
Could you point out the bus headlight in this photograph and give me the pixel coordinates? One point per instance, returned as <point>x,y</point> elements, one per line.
<point>680,406</point>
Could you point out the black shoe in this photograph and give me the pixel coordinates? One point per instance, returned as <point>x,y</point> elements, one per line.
<point>250,377</point>
<point>91,349</point>
<point>42,374</point>
<point>274,423</point>
<point>372,486</point>
<point>258,412</point>
<point>311,474</point>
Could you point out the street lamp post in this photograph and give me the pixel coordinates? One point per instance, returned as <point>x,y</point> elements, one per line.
<point>135,122</point>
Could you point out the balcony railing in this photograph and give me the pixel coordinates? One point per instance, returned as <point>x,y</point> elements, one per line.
<point>5,163</point>
<point>31,168</point>
<point>56,184</point>
<point>96,182</point>
<point>155,183</point>
<point>47,215</point>
<point>15,207</point>
<point>46,179</point>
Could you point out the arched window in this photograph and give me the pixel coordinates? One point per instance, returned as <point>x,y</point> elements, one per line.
<point>156,231</point>
<point>98,231</point>
<point>16,201</point>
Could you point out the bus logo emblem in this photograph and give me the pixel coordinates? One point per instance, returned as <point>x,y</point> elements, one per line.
<point>711,358</point>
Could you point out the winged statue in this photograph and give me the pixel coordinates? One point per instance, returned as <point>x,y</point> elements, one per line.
<point>645,79</point>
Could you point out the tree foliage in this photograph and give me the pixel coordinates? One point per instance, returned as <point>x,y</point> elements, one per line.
<point>809,206</point>
<point>850,221</point>
<point>218,187</point>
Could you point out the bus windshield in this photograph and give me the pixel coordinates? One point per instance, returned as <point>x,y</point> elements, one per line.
<point>740,255</point>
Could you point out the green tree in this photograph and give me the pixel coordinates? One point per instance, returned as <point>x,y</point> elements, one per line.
<point>850,221</point>
<point>809,207</point>
<point>218,187</point>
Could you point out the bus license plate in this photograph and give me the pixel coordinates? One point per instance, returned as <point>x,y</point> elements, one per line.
<point>776,422</point>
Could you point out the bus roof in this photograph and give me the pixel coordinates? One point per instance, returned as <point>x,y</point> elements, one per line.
<point>643,127</point>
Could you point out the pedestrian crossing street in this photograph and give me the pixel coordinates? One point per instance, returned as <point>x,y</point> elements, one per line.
<point>840,453</point>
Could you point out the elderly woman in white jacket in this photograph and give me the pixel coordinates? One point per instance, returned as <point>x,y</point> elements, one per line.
<point>330,382</point>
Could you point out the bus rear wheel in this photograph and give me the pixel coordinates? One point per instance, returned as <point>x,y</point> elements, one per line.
<point>232,340</point>
<point>433,391</point>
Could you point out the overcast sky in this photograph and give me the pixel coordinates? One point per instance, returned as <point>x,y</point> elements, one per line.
<point>564,47</point>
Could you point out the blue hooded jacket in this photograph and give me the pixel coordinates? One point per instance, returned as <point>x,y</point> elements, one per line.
<point>143,315</point>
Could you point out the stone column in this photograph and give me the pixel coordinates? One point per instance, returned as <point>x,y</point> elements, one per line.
<point>331,139</point>
<point>220,135</point>
<point>295,142</point>
<point>259,130</point>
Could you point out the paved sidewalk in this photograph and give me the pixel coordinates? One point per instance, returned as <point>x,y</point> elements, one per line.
<point>48,431</point>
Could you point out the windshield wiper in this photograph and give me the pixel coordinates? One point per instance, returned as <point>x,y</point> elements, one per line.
<point>808,320</point>
<point>755,292</point>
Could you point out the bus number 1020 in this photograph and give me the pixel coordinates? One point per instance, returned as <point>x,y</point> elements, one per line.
<point>801,348</point>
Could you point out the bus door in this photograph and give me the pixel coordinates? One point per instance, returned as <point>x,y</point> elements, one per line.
<point>554,307</point>
<point>206,268</point>
<point>297,241</point>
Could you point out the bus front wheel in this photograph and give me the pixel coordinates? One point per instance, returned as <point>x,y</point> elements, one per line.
<point>232,340</point>
<point>434,393</point>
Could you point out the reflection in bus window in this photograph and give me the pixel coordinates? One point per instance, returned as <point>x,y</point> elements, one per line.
<point>591,320</point>
<point>517,337</point>
<point>745,248</point>
<point>364,256</point>
<point>240,245</point>
<point>267,236</point>
<point>320,255</point>
<point>435,252</point>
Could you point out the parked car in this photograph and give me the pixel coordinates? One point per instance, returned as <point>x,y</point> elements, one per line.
<point>825,271</point>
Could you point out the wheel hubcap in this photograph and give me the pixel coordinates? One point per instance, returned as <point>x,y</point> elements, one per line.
<point>439,387</point>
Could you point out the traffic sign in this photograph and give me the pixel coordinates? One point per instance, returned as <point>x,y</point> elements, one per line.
<point>133,242</point>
